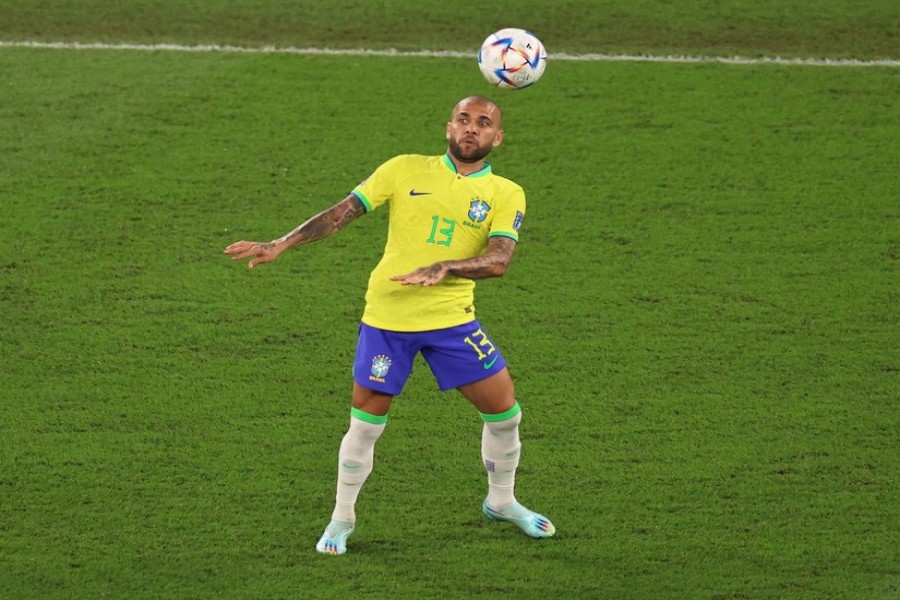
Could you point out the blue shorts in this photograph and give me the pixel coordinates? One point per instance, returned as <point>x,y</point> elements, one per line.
<point>457,356</point>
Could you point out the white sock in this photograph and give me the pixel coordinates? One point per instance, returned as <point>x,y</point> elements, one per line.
<point>500,449</point>
<point>355,460</point>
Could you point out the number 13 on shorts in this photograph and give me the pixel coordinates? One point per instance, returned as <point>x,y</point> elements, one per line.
<point>480,343</point>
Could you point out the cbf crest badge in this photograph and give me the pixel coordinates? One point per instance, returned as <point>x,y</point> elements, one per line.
<point>381,364</point>
<point>478,210</point>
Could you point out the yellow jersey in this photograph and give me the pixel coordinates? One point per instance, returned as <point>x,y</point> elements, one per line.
<point>435,214</point>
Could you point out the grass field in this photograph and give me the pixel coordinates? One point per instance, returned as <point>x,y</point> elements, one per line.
<point>702,317</point>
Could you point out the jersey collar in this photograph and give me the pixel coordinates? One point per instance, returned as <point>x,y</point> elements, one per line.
<point>485,170</point>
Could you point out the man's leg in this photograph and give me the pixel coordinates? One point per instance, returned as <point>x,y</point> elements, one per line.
<point>500,449</point>
<point>355,461</point>
<point>494,398</point>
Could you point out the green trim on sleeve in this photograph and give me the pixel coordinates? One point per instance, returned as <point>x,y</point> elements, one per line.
<point>362,198</point>
<point>507,414</point>
<point>368,418</point>
<point>510,234</point>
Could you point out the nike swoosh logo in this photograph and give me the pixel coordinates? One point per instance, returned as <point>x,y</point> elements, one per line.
<point>488,365</point>
<point>413,192</point>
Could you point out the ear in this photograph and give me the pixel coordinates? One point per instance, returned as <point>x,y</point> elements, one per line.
<point>498,139</point>
<point>447,134</point>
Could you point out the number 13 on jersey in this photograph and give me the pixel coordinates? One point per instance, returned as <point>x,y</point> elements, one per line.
<point>480,342</point>
<point>443,236</point>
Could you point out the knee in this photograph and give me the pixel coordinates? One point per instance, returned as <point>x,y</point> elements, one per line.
<point>363,431</point>
<point>504,426</point>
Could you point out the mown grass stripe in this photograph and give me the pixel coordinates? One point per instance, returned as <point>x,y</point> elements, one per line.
<point>591,57</point>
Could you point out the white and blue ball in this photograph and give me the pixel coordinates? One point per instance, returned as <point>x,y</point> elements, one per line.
<point>512,58</point>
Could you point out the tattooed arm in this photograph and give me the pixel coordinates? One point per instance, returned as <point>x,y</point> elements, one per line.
<point>326,223</point>
<point>492,263</point>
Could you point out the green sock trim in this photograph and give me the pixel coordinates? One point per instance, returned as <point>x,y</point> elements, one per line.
<point>507,414</point>
<point>368,418</point>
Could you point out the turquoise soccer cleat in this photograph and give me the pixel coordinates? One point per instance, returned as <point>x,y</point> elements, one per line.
<point>334,540</point>
<point>533,524</point>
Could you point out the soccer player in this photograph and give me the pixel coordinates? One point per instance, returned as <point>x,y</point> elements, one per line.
<point>452,221</point>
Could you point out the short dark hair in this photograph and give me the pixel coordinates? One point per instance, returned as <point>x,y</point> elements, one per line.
<point>481,99</point>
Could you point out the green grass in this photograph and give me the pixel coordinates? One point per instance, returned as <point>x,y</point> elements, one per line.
<point>701,320</point>
<point>836,28</point>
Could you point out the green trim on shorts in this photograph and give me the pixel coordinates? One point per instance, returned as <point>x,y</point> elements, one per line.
<point>368,418</point>
<point>507,414</point>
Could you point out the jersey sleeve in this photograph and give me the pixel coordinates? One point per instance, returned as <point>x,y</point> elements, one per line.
<point>510,214</point>
<point>378,188</point>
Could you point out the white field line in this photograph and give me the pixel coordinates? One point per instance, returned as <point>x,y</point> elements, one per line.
<point>733,60</point>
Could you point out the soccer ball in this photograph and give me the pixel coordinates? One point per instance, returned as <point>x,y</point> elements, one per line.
<point>512,58</point>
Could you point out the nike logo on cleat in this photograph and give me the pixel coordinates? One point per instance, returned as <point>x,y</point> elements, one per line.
<point>413,192</point>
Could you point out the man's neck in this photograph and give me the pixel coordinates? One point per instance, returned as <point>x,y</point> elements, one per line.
<point>465,168</point>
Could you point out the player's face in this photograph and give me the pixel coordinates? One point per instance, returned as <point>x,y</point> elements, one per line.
<point>474,130</point>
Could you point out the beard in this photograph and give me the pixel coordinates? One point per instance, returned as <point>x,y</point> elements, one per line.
<point>471,156</point>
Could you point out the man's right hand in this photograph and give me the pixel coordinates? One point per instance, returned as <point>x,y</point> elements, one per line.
<point>262,252</point>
